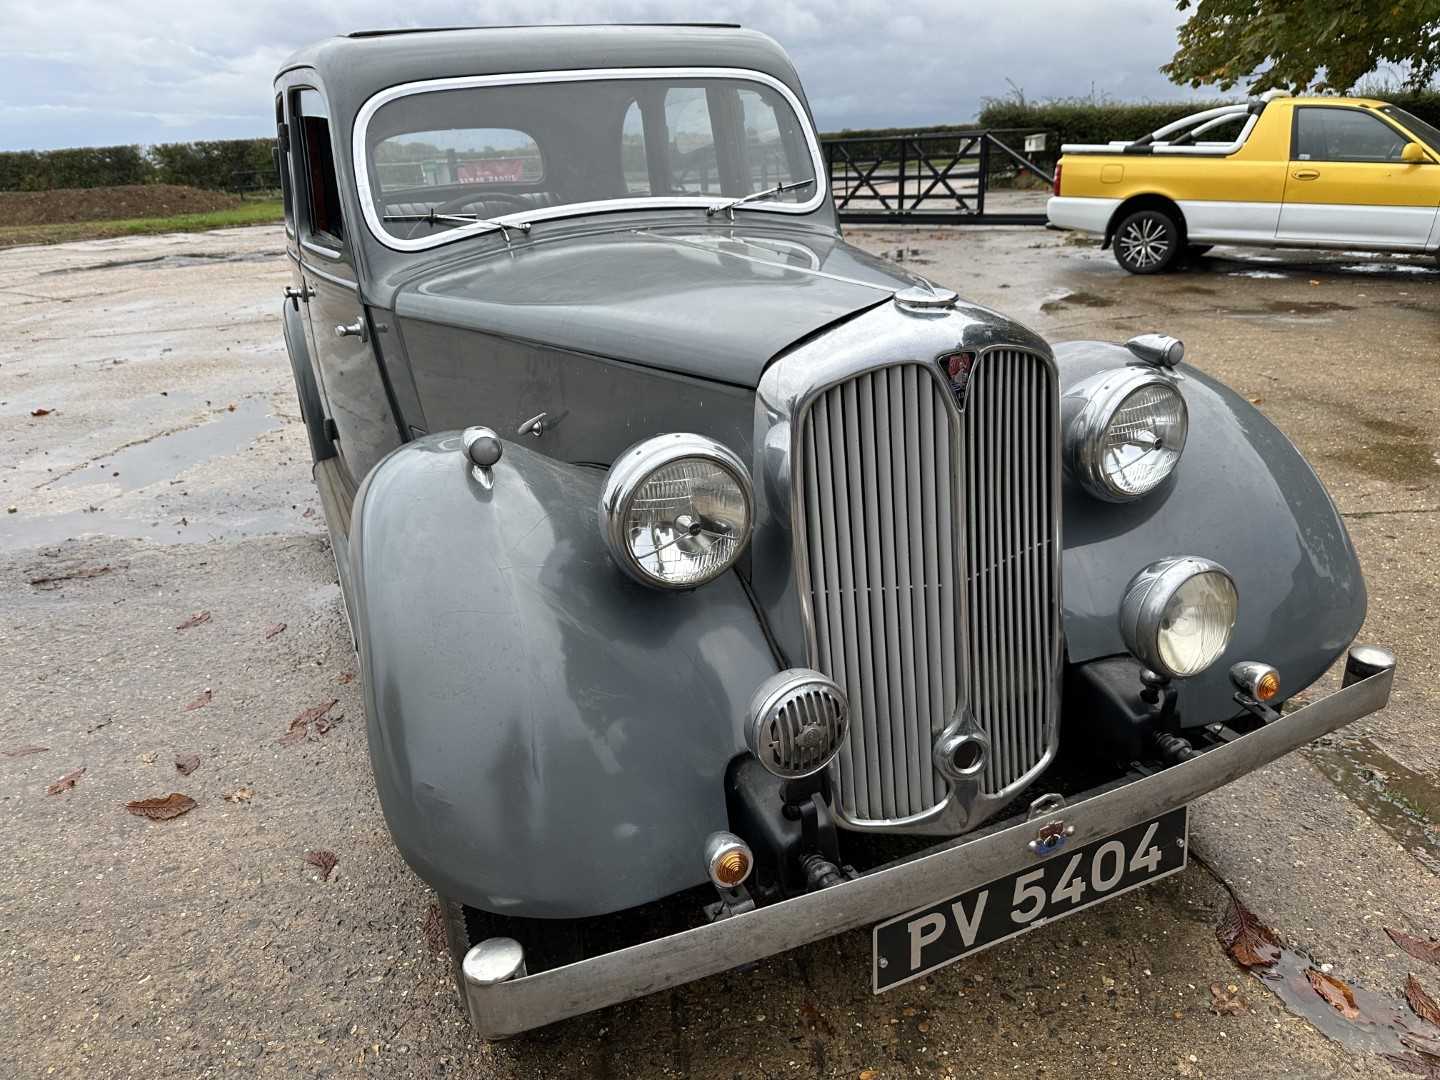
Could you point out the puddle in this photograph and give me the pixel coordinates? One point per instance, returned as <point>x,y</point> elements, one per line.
<point>1404,803</point>
<point>1294,307</point>
<point>1076,299</point>
<point>1383,1025</point>
<point>171,262</point>
<point>1394,461</point>
<point>51,529</point>
<point>1385,268</point>
<point>165,456</point>
<point>1258,274</point>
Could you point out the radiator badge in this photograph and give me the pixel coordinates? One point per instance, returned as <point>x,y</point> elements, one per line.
<point>1052,831</point>
<point>957,367</point>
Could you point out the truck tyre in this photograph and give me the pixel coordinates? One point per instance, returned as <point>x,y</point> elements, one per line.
<point>1147,241</point>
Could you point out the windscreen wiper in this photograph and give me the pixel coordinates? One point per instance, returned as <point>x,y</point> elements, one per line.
<point>728,207</point>
<point>432,218</point>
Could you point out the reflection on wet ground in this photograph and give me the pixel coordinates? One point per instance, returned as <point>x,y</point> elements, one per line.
<point>171,262</point>
<point>1076,299</point>
<point>1363,1020</point>
<point>1404,803</point>
<point>167,455</point>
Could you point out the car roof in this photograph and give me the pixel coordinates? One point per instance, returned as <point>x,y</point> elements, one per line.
<point>356,66</point>
<point>1330,99</point>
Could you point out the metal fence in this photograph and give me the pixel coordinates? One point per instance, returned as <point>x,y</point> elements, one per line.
<point>940,178</point>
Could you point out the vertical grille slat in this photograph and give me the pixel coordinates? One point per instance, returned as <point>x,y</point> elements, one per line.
<point>930,536</point>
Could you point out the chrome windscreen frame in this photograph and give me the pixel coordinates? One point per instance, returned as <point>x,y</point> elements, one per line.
<point>361,165</point>
<point>879,339</point>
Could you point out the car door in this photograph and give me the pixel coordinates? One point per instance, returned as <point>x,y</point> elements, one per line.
<point>1347,185</point>
<point>361,420</point>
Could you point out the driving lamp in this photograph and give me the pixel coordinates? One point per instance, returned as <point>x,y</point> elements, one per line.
<point>676,510</point>
<point>1128,434</point>
<point>1178,614</point>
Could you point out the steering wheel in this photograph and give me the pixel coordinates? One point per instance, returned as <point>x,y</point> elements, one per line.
<point>469,198</point>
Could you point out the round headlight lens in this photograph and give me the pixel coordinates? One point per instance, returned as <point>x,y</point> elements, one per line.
<point>1129,435</point>
<point>1178,615</point>
<point>676,510</point>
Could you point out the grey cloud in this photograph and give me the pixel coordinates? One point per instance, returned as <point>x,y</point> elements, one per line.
<point>80,72</point>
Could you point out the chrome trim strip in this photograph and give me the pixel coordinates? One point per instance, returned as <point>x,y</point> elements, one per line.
<point>373,104</point>
<point>545,997</point>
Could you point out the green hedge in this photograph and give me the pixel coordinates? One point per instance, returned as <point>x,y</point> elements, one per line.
<point>97,166</point>
<point>227,165</point>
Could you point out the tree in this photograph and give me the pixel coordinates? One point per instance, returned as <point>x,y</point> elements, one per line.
<point>1298,45</point>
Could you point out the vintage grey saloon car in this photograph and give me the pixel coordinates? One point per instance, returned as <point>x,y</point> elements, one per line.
<point>718,587</point>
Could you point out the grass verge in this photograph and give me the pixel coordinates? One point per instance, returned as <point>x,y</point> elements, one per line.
<point>251,213</point>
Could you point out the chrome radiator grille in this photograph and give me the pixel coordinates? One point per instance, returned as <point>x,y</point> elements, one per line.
<point>1011,424</point>
<point>921,595</point>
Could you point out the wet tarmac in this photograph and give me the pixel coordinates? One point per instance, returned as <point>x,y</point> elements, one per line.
<point>206,946</point>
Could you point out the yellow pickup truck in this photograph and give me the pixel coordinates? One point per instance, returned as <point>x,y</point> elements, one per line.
<point>1279,171</point>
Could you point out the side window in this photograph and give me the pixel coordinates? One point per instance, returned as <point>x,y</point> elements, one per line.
<point>282,163</point>
<point>632,151</point>
<point>768,149</point>
<point>322,189</point>
<point>693,166</point>
<point>1325,134</point>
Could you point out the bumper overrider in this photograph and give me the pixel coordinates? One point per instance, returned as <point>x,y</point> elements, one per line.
<point>504,1000</point>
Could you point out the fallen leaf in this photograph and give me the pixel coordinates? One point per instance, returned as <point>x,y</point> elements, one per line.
<point>1249,941</point>
<point>1225,1003</point>
<point>868,1074</point>
<point>1256,401</point>
<point>1420,949</point>
<point>22,751</point>
<point>315,712</point>
<point>275,631</point>
<point>309,512</point>
<point>162,809</point>
<point>344,677</point>
<point>78,574</point>
<point>322,860</point>
<point>1335,991</point>
<point>243,794</point>
<point>230,407</point>
<point>194,620</point>
<point>325,723</point>
<point>203,699</point>
<point>66,782</point>
<point>41,412</point>
<point>1421,1002</point>
<point>434,929</point>
<point>187,763</point>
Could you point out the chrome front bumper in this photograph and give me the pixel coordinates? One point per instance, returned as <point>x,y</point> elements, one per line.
<point>506,1006</point>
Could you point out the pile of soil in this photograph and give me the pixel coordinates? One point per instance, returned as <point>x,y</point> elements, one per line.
<point>108,203</point>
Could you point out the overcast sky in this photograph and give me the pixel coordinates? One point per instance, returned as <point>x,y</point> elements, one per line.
<point>102,72</point>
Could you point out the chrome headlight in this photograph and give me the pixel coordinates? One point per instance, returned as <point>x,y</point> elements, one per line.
<point>1129,433</point>
<point>1178,614</point>
<point>676,510</point>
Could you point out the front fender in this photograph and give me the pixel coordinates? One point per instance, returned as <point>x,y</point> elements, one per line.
<point>549,738</point>
<point>1241,495</point>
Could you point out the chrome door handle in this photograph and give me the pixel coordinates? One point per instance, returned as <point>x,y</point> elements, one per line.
<point>295,296</point>
<point>534,426</point>
<point>1306,174</point>
<point>355,329</point>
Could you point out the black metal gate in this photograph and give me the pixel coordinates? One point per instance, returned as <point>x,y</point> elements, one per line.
<point>940,178</point>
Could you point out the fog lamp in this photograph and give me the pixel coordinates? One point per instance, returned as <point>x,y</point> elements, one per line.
<point>1178,614</point>
<point>1258,681</point>
<point>727,859</point>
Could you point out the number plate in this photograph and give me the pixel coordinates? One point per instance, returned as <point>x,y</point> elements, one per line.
<point>927,938</point>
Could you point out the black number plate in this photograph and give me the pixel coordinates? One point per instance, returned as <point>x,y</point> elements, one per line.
<point>927,938</point>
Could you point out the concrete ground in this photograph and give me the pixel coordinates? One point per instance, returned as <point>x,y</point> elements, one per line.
<point>170,478</point>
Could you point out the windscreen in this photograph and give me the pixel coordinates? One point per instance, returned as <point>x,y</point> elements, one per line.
<point>1417,127</point>
<point>439,160</point>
